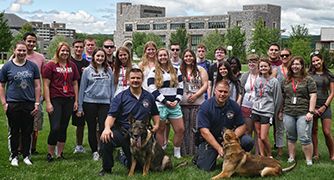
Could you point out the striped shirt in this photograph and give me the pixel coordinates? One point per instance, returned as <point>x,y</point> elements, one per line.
<point>165,92</point>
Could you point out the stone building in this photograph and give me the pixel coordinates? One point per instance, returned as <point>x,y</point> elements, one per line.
<point>144,18</point>
<point>326,39</point>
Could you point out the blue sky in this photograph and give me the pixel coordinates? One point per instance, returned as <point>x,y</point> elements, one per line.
<point>89,16</point>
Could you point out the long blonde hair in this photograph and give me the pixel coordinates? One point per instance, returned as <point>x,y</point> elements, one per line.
<point>56,57</point>
<point>158,79</point>
<point>144,58</point>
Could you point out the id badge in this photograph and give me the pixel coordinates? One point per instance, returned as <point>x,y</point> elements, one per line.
<point>294,100</point>
<point>250,98</point>
<point>65,89</point>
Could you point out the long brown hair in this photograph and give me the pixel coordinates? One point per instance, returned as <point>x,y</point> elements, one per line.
<point>302,70</point>
<point>118,64</point>
<point>183,66</point>
<point>326,73</point>
<point>159,79</point>
<point>104,64</point>
<point>56,57</point>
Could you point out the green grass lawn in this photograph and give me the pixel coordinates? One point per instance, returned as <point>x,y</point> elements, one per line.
<point>81,166</point>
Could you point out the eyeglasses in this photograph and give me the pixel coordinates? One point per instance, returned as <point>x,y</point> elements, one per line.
<point>177,50</point>
<point>286,55</point>
<point>314,53</point>
<point>296,64</point>
<point>105,46</point>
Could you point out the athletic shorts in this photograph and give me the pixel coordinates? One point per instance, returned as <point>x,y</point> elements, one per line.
<point>173,113</point>
<point>78,121</point>
<point>261,119</point>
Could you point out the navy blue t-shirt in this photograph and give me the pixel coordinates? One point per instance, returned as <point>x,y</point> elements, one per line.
<point>125,103</point>
<point>20,81</point>
<point>215,117</point>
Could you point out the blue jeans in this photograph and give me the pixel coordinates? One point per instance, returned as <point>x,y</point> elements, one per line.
<point>298,127</point>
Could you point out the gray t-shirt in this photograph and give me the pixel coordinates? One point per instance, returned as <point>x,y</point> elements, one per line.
<point>320,81</point>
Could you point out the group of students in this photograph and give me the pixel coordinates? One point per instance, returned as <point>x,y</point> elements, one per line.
<point>274,91</point>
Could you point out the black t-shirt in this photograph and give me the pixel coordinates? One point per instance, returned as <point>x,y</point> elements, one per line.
<point>81,65</point>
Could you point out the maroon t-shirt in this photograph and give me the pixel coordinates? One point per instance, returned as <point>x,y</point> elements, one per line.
<point>56,74</point>
<point>276,63</point>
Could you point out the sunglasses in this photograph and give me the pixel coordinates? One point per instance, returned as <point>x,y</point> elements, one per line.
<point>314,53</point>
<point>286,55</point>
<point>112,46</point>
<point>177,50</point>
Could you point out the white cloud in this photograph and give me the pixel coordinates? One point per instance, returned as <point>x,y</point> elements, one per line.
<point>25,2</point>
<point>15,7</point>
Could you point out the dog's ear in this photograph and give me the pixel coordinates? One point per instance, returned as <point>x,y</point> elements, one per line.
<point>131,119</point>
<point>146,120</point>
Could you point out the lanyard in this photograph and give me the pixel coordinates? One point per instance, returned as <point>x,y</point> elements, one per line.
<point>262,91</point>
<point>251,83</point>
<point>123,75</point>
<point>64,73</point>
<point>188,76</point>
<point>293,85</point>
<point>283,71</point>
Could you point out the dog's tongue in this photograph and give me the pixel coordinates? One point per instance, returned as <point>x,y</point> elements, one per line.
<point>139,142</point>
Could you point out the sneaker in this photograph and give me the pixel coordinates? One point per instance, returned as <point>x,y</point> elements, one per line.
<point>120,153</point>
<point>103,172</point>
<point>35,153</point>
<point>309,162</point>
<point>27,161</point>
<point>79,149</point>
<point>49,158</point>
<point>96,156</point>
<point>291,160</point>
<point>15,161</point>
<point>165,145</point>
<point>61,156</point>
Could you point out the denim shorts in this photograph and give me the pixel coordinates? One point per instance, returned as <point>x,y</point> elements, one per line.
<point>298,127</point>
<point>173,113</point>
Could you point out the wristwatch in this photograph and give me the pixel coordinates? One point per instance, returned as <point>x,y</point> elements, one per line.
<point>311,112</point>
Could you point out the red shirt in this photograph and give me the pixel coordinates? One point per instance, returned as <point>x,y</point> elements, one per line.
<point>276,63</point>
<point>56,74</point>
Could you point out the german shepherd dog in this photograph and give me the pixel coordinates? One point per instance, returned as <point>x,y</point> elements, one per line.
<point>237,161</point>
<point>145,149</point>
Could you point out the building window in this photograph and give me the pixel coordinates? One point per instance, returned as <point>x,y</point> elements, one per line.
<point>143,27</point>
<point>239,23</point>
<point>177,25</point>
<point>196,25</point>
<point>128,27</point>
<point>332,46</point>
<point>152,11</point>
<point>194,41</point>
<point>326,45</point>
<point>214,25</point>
<point>159,26</point>
<point>264,24</point>
<point>274,25</point>
<point>163,39</point>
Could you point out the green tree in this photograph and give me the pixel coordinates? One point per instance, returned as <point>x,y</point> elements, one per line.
<point>181,37</point>
<point>19,37</point>
<point>211,41</point>
<point>55,41</point>
<point>236,38</point>
<point>5,34</point>
<point>140,39</point>
<point>263,37</point>
<point>302,47</point>
<point>300,42</point>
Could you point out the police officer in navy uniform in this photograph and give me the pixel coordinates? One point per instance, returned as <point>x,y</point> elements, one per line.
<point>136,101</point>
<point>213,115</point>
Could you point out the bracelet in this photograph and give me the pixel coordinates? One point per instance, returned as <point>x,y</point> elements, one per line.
<point>37,104</point>
<point>325,105</point>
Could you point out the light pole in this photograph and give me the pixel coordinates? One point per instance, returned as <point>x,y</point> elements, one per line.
<point>253,51</point>
<point>229,48</point>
